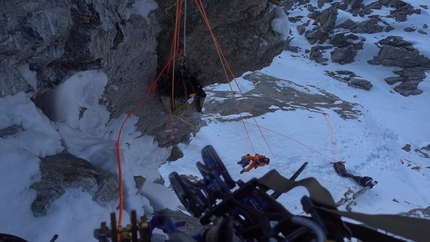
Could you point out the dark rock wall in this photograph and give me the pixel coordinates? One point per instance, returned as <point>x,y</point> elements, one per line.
<point>242,28</point>
<point>57,39</point>
<point>63,171</point>
<point>60,38</point>
<point>31,32</point>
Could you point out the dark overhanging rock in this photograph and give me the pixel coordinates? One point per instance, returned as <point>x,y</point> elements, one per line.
<point>244,32</point>
<point>242,28</point>
<point>65,171</point>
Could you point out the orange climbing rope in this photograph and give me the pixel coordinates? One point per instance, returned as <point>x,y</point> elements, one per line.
<point>333,143</point>
<point>175,50</point>
<point>118,145</point>
<point>227,71</point>
<point>170,68</point>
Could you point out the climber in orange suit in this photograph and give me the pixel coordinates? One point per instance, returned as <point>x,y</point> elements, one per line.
<point>253,162</point>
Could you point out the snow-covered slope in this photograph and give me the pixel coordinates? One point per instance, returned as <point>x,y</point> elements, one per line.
<point>389,141</point>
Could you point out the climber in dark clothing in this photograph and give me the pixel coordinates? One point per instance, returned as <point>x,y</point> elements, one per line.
<point>364,181</point>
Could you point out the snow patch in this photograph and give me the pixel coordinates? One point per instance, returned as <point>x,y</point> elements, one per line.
<point>280,23</point>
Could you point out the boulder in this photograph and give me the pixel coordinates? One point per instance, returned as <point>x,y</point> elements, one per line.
<point>316,54</point>
<point>393,80</point>
<point>401,10</point>
<point>316,35</point>
<point>370,27</point>
<point>344,55</point>
<point>354,4</point>
<point>64,171</point>
<point>400,53</point>
<point>360,83</point>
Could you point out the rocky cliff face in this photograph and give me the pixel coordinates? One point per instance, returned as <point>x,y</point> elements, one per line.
<point>56,39</point>
<point>242,28</point>
<point>44,43</point>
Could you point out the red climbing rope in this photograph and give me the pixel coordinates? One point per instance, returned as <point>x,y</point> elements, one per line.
<point>151,89</point>
<point>230,76</point>
<point>169,67</point>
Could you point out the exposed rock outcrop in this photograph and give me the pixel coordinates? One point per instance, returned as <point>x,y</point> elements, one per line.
<point>43,43</point>
<point>242,28</point>
<point>346,38</point>
<point>397,52</point>
<point>419,213</point>
<point>292,97</point>
<point>54,40</point>
<point>351,78</point>
<point>63,171</point>
<point>11,130</point>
